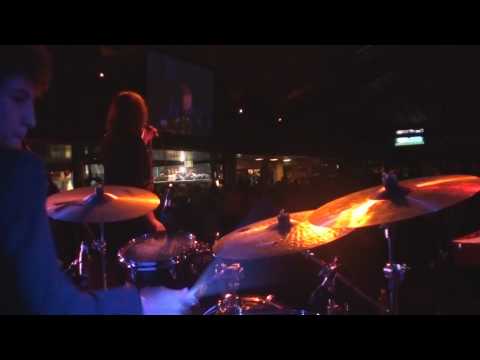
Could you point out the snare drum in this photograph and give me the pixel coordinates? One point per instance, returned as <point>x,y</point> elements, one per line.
<point>159,259</point>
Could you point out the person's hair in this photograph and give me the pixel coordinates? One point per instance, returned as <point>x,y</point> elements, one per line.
<point>128,114</point>
<point>184,89</point>
<point>33,62</point>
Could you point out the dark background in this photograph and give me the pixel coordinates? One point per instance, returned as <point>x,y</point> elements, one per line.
<point>343,100</point>
<point>165,74</point>
<point>338,101</point>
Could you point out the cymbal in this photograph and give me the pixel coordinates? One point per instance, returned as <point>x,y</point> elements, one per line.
<point>266,238</point>
<point>101,204</point>
<point>376,205</point>
<point>472,238</point>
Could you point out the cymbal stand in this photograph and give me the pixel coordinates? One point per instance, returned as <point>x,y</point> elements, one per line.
<point>394,273</point>
<point>100,245</point>
<point>329,274</point>
<point>79,266</point>
<point>231,276</point>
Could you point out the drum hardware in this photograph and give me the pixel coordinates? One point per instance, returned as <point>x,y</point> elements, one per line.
<point>284,234</point>
<point>394,273</point>
<point>231,303</point>
<point>100,205</point>
<point>393,202</point>
<point>329,274</point>
<point>160,259</point>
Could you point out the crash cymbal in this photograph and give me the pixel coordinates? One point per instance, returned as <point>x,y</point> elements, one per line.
<point>272,237</point>
<point>397,201</point>
<point>101,204</point>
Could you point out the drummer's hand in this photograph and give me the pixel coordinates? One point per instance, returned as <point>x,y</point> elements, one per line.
<point>149,133</point>
<point>164,301</point>
<point>158,226</point>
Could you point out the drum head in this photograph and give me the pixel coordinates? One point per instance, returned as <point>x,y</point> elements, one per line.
<point>157,247</point>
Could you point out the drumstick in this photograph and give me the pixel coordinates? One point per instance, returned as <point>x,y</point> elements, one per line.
<point>199,289</point>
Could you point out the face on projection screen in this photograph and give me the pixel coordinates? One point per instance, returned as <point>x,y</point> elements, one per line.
<point>180,96</point>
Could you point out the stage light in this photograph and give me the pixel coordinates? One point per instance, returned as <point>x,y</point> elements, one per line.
<point>182,156</point>
<point>240,111</point>
<point>101,75</point>
<point>409,141</point>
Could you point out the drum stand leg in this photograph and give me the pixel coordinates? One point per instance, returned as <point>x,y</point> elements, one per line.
<point>327,287</point>
<point>394,273</point>
<point>329,274</point>
<point>101,246</point>
<point>103,254</point>
<point>231,276</point>
<point>79,265</point>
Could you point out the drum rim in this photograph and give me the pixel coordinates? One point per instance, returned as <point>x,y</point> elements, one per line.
<point>121,253</point>
<point>259,300</point>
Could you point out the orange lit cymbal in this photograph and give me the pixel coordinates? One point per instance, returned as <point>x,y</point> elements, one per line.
<point>374,206</point>
<point>92,205</point>
<point>265,238</point>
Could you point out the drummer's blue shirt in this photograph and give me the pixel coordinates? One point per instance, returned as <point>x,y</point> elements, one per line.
<point>30,276</point>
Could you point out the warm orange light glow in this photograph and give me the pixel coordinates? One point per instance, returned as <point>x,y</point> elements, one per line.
<point>265,239</point>
<point>310,235</point>
<point>442,181</point>
<point>303,234</point>
<point>259,228</point>
<point>356,215</point>
<point>134,199</point>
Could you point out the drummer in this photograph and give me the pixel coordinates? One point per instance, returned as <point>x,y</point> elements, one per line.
<point>32,282</point>
<point>127,162</point>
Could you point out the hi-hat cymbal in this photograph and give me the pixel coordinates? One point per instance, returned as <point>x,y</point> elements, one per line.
<point>101,205</point>
<point>376,205</point>
<point>266,238</point>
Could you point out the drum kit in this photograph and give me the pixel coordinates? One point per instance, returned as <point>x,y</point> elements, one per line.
<point>180,260</point>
